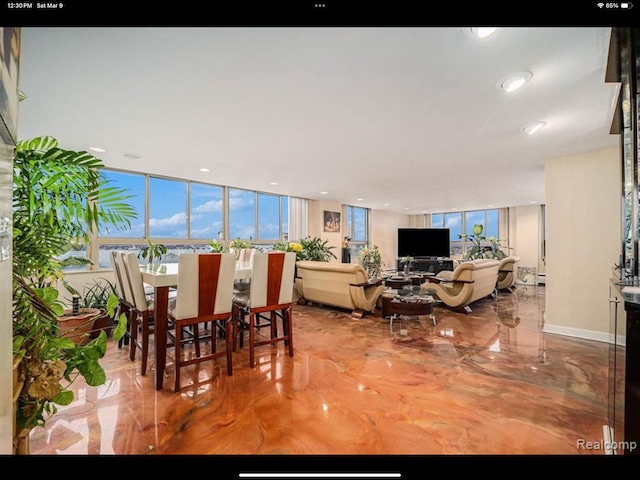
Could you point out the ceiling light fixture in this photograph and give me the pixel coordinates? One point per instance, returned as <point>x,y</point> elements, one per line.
<point>131,155</point>
<point>97,149</point>
<point>324,193</point>
<point>273,183</point>
<point>531,128</point>
<point>513,81</point>
<point>203,169</point>
<point>480,32</point>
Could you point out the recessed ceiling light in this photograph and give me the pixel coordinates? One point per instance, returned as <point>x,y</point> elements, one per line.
<point>385,204</point>
<point>203,169</point>
<point>324,193</point>
<point>406,208</point>
<point>533,201</point>
<point>531,128</point>
<point>273,183</point>
<point>131,155</point>
<point>97,149</point>
<point>513,81</point>
<point>359,199</point>
<point>479,32</point>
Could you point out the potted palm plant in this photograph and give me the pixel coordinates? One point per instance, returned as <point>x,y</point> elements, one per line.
<point>59,196</point>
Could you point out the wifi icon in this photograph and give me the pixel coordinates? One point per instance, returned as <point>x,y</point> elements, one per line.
<point>600,5</point>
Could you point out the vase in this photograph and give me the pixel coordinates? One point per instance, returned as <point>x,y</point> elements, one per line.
<point>407,270</point>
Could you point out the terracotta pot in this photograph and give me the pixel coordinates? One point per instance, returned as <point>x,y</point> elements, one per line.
<point>77,328</point>
<point>103,322</point>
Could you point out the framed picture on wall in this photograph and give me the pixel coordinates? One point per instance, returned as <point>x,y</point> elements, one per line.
<point>331,221</point>
<point>9,58</point>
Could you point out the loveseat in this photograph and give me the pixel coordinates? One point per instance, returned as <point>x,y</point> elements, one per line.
<point>342,285</point>
<point>470,281</point>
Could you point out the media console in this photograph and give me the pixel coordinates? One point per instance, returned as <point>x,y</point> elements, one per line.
<point>428,265</point>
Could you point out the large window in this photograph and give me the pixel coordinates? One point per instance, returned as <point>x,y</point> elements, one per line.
<point>186,216</point>
<point>205,217</point>
<point>455,221</point>
<point>357,228</point>
<point>135,185</point>
<point>167,208</point>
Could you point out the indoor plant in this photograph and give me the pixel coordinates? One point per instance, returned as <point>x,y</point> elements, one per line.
<point>59,196</point>
<point>480,248</point>
<point>217,246</point>
<point>152,252</point>
<point>316,249</point>
<point>290,247</point>
<point>371,261</point>
<point>96,296</point>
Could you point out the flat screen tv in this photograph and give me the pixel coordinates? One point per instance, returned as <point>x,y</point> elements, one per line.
<point>424,242</point>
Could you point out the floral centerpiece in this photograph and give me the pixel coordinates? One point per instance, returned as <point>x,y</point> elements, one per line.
<point>371,261</point>
<point>407,261</point>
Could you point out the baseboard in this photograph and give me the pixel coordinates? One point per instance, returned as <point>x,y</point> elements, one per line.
<point>577,333</point>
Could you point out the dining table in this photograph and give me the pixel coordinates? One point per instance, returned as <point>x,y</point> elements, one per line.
<point>163,277</point>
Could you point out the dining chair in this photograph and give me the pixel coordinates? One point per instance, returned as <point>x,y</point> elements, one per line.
<point>124,304</point>
<point>270,297</point>
<point>141,312</point>
<point>204,294</point>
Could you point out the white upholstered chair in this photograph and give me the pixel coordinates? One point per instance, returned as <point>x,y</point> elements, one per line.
<point>204,294</point>
<point>141,309</point>
<point>269,297</point>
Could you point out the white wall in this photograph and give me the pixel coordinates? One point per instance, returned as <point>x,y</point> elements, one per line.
<point>524,235</point>
<point>384,234</point>
<point>583,219</point>
<point>316,224</point>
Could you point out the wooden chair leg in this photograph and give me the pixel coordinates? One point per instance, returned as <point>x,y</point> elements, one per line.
<point>133,333</point>
<point>228,341</point>
<point>287,316</point>
<point>252,339</point>
<point>145,342</point>
<point>178,356</point>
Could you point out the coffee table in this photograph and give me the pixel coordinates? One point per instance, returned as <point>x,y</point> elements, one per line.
<point>396,305</point>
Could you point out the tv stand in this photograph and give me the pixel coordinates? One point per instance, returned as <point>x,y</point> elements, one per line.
<point>428,265</point>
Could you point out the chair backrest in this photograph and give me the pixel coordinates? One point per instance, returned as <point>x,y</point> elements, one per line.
<point>205,284</point>
<point>272,276</point>
<point>127,293</point>
<point>117,273</point>
<point>138,296</point>
<point>246,254</point>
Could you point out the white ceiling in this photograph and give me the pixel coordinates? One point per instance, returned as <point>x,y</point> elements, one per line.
<point>405,116</point>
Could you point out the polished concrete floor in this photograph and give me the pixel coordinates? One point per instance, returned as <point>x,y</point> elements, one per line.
<point>488,382</point>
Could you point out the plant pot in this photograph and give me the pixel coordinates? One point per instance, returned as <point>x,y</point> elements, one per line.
<point>77,328</point>
<point>102,323</point>
<point>20,439</point>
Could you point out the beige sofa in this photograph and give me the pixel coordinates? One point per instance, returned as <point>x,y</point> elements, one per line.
<point>343,285</point>
<point>469,282</point>
<point>507,273</point>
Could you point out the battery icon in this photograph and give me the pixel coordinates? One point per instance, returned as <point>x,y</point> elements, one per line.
<point>626,5</point>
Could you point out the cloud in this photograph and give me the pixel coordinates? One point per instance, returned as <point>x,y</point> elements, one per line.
<point>172,221</point>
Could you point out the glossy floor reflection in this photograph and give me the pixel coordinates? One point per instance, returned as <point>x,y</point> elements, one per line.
<point>485,383</point>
